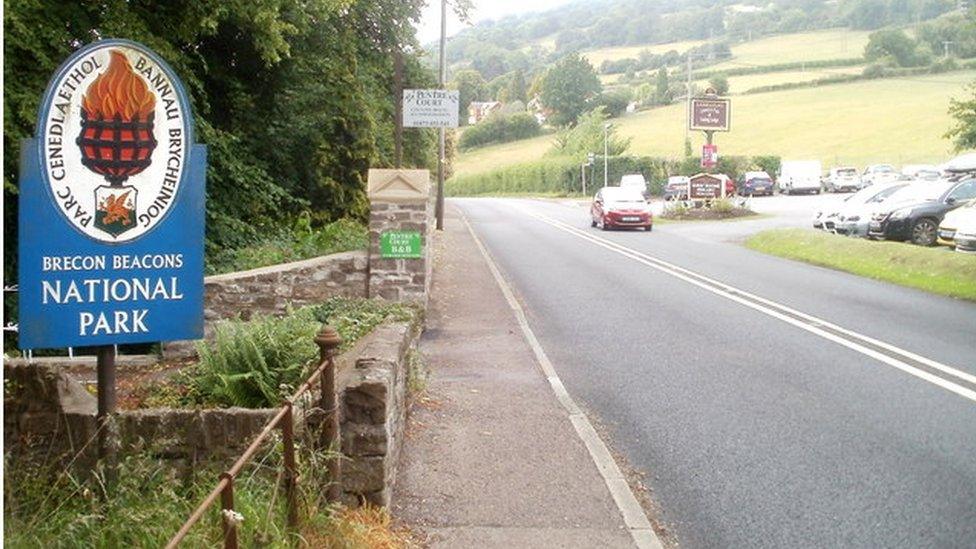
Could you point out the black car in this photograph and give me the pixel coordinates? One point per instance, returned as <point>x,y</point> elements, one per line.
<point>755,183</point>
<point>917,213</point>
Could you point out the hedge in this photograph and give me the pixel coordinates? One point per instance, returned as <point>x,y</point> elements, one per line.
<point>562,175</point>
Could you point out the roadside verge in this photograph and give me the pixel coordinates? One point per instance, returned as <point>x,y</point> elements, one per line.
<point>934,270</point>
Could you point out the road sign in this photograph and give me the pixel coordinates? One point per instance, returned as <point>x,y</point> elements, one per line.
<point>431,108</point>
<point>710,114</point>
<point>111,205</point>
<point>709,157</point>
<point>705,187</point>
<point>401,245</point>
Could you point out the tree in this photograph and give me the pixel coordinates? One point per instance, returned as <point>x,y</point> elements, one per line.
<point>614,102</point>
<point>472,87</point>
<point>963,130</point>
<point>516,90</point>
<point>719,83</point>
<point>587,137</point>
<point>891,45</point>
<point>568,87</point>
<point>663,91</point>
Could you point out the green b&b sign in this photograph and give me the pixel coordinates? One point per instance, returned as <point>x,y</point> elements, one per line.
<point>401,245</point>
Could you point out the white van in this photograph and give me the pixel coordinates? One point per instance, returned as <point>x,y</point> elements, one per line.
<point>800,176</point>
<point>634,181</point>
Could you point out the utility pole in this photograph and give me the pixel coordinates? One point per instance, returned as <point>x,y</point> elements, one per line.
<point>439,209</point>
<point>945,48</point>
<point>688,100</point>
<point>606,138</point>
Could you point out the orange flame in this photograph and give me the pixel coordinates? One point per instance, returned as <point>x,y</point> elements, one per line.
<point>119,91</point>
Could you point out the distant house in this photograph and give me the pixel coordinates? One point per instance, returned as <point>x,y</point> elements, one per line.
<point>538,110</point>
<point>479,110</point>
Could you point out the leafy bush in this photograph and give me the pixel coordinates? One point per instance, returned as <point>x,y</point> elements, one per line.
<point>301,242</point>
<point>254,364</point>
<point>587,136</point>
<point>500,129</point>
<point>257,363</point>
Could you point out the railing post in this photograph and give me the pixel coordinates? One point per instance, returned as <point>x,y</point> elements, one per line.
<point>291,473</point>
<point>227,508</point>
<point>328,340</point>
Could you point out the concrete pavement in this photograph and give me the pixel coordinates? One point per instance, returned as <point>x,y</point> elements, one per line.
<point>491,458</point>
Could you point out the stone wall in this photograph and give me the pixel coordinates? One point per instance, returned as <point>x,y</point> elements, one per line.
<point>270,290</point>
<point>399,279</point>
<point>372,398</point>
<point>48,413</point>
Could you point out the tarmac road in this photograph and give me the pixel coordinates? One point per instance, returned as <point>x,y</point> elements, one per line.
<point>769,403</point>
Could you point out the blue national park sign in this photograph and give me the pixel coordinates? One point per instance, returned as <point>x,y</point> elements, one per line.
<point>111,205</point>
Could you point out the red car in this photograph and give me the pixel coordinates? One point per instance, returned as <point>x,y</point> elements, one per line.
<point>620,207</point>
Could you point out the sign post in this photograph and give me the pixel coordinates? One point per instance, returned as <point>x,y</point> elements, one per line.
<point>111,212</point>
<point>710,114</point>
<point>434,109</point>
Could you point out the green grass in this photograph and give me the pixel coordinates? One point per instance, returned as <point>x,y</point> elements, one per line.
<point>897,120</point>
<point>743,83</point>
<point>598,56</point>
<point>935,270</point>
<point>802,46</point>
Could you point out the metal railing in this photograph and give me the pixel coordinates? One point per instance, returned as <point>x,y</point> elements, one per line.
<point>328,341</point>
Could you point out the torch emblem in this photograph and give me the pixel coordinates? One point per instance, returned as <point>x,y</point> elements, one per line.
<point>117,140</point>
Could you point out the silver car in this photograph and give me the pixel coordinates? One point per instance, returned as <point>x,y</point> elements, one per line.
<point>854,218</point>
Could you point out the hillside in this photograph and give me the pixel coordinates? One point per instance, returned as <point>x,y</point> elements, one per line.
<point>852,123</point>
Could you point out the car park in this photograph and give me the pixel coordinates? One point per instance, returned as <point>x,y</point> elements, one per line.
<point>879,173</point>
<point>845,179</point>
<point>918,210</point>
<point>799,176</point>
<point>855,216</point>
<point>677,187</point>
<point>755,183</point>
<point>962,216</point>
<point>615,207</point>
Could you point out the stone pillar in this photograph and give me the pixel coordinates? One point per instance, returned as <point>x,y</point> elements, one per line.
<point>400,208</point>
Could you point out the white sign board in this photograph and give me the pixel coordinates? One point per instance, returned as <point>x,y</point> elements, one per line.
<point>431,108</point>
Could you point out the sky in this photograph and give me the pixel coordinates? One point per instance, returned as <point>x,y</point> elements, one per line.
<point>430,24</point>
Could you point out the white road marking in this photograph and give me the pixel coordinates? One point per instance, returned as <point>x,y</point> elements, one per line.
<point>633,514</point>
<point>769,307</point>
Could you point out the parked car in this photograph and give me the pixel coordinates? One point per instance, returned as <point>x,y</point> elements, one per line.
<point>916,215</point>
<point>842,179</point>
<point>965,238</point>
<point>755,183</point>
<point>855,216</point>
<point>879,173</point>
<point>831,212</point>
<point>962,216</point>
<point>635,181</point>
<point>799,176</point>
<point>620,207</point>
<point>676,188</point>
<point>921,172</point>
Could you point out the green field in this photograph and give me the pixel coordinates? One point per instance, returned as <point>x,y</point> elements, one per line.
<point>596,57</point>
<point>935,270</point>
<point>746,82</point>
<point>898,120</point>
<point>794,48</point>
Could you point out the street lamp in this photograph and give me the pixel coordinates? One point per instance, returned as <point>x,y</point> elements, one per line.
<point>606,138</point>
